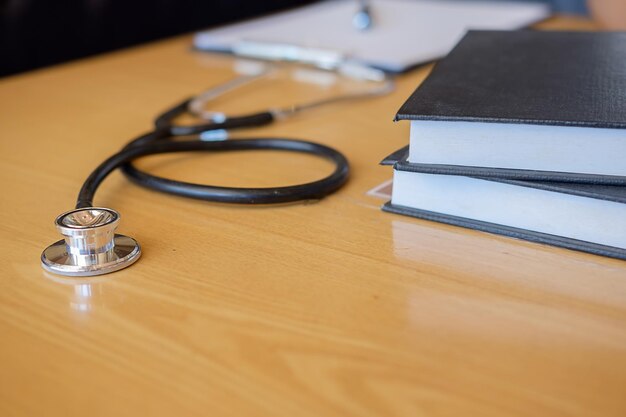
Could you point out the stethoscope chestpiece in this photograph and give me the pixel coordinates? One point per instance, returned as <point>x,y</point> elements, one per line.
<point>90,245</point>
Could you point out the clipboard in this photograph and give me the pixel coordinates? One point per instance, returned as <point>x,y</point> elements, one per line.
<point>404,34</point>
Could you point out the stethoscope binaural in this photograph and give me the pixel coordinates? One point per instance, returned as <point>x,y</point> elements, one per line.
<point>90,245</point>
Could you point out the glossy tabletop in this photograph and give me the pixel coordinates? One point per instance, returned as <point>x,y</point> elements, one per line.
<point>326,308</point>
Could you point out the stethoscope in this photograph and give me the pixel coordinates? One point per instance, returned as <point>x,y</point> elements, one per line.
<point>90,245</point>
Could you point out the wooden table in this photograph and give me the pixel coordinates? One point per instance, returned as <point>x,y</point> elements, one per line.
<point>331,308</point>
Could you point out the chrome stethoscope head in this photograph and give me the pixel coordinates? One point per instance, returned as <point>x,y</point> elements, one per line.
<point>90,245</point>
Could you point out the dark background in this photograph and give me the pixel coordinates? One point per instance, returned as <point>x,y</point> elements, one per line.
<point>36,33</point>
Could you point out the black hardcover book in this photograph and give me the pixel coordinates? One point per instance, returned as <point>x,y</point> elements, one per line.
<point>584,217</point>
<point>550,103</point>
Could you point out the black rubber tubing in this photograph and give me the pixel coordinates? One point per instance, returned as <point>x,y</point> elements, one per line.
<point>160,141</point>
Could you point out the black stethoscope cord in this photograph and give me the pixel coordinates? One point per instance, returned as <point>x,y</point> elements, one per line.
<point>160,141</point>
<point>164,123</point>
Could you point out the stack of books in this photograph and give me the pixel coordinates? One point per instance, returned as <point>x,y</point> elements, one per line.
<point>521,133</point>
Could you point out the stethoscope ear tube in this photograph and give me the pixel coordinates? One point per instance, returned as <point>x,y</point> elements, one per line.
<point>312,190</point>
<point>308,191</point>
<point>164,122</point>
<point>159,141</point>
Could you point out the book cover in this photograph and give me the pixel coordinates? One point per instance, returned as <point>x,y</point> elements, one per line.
<point>399,158</point>
<point>526,76</point>
<point>610,193</point>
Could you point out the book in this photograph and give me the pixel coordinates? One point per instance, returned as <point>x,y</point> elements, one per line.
<point>403,34</point>
<point>532,104</point>
<point>584,217</point>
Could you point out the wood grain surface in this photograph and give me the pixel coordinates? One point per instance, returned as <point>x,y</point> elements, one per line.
<point>328,308</point>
